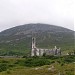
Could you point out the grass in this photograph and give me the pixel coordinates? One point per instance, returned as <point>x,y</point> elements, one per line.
<point>57,65</point>
<point>65,70</point>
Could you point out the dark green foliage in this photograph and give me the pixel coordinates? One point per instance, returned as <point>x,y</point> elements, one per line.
<point>44,54</point>
<point>36,62</point>
<point>4,61</point>
<point>8,72</point>
<point>62,64</point>
<point>33,62</point>
<point>66,59</point>
<point>3,67</point>
<point>59,61</point>
<point>40,61</point>
<point>11,65</point>
<point>52,61</point>
<point>69,59</point>
<point>25,56</point>
<point>52,57</point>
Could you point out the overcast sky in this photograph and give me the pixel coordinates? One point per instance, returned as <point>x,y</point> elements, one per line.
<point>18,12</point>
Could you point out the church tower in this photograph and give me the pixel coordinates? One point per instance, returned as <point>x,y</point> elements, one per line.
<point>33,47</point>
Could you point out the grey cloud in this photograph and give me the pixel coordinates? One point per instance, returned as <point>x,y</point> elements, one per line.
<point>16,12</point>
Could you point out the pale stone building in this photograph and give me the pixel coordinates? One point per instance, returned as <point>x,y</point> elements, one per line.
<point>39,51</point>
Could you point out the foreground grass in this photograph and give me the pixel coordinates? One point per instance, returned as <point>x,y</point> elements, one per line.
<point>44,70</point>
<point>56,67</point>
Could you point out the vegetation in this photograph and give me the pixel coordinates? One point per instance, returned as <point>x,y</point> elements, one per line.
<point>33,62</point>
<point>48,65</point>
<point>17,40</point>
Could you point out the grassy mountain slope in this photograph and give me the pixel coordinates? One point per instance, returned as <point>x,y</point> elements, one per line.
<point>17,40</point>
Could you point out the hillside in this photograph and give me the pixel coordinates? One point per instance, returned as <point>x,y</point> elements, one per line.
<point>17,40</point>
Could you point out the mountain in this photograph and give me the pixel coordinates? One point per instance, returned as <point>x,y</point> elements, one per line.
<point>17,40</point>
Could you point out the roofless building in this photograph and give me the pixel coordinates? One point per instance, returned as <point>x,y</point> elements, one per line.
<point>39,51</point>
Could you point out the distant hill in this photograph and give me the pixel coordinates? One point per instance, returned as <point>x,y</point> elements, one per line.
<point>17,40</point>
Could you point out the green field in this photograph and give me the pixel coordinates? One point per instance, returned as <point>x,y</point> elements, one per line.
<point>50,65</point>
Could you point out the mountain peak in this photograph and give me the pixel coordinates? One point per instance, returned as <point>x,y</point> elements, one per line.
<point>17,40</point>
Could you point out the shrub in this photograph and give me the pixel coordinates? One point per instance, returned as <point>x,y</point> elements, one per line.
<point>52,61</point>
<point>11,65</point>
<point>36,62</point>
<point>3,67</point>
<point>32,62</point>
<point>69,59</point>
<point>4,61</point>
<point>62,64</point>
<point>8,72</point>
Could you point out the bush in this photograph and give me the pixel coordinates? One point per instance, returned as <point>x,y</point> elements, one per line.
<point>32,62</point>
<point>52,61</point>
<point>11,65</point>
<point>8,72</point>
<point>59,61</point>
<point>4,61</point>
<point>69,59</point>
<point>62,64</point>
<point>3,67</point>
